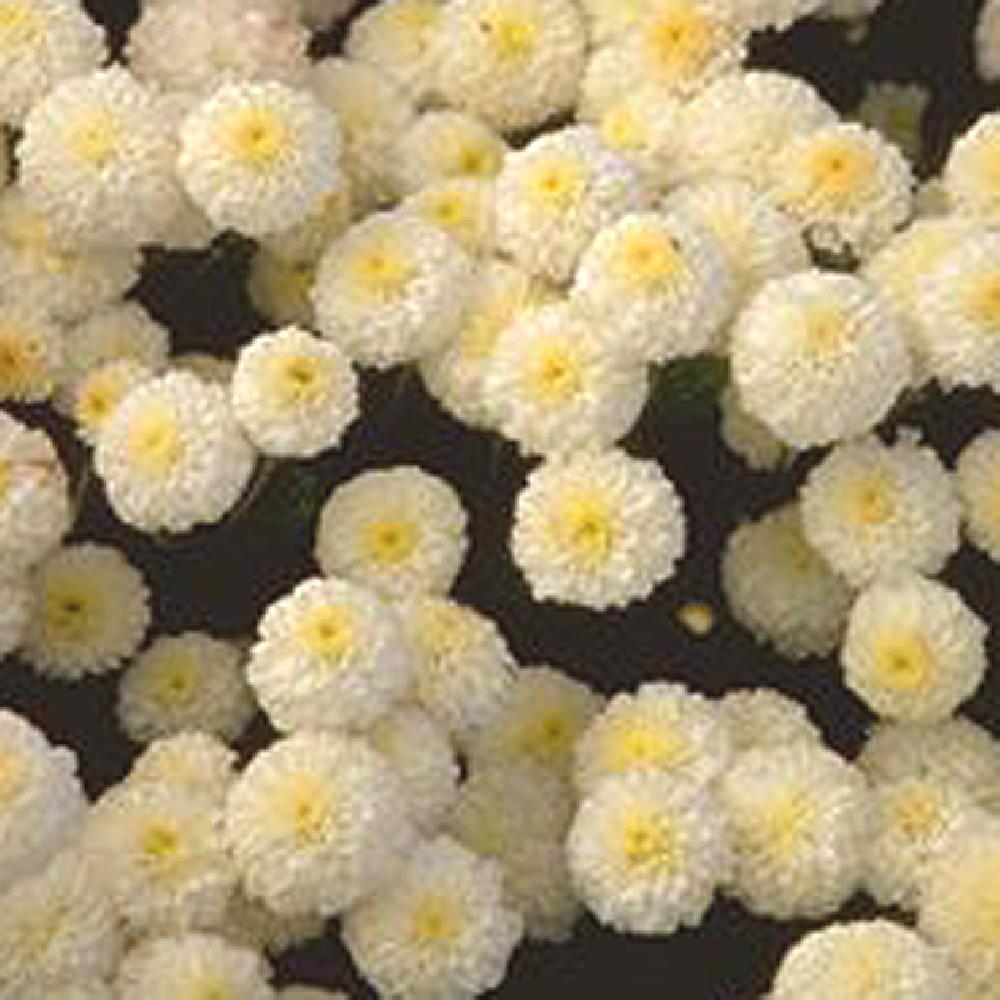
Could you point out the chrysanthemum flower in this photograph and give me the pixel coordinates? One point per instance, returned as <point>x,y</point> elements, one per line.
<point>896,110</point>
<point>172,455</point>
<point>799,820</point>
<point>90,611</point>
<point>330,655</point>
<point>307,239</point>
<point>746,436</point>
<point>601,530</point>
<point>818,357</point>
<point>440,930</point>
<point>913,651</point>
<point>978,475</point>
<point>970,174</point>
<point>259,157</point>
<point>463,208</point>
<point>195,764</point>
<point>33,348</point>
<point>98,393</point>
<point>987,41</point>
<point>315,823</point>
<point>759,718</point>
<point>647,852</point>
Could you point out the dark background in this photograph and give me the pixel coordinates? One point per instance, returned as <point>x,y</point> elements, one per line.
<point>221,580</point>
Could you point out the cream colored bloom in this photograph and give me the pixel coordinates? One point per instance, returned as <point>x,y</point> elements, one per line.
<point>33,349</point>
<point>978,474</point>
<point>970,174</point>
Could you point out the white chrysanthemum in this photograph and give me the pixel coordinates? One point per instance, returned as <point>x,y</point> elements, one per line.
<point>555,385</point>
<point>193,965</point>
<point>978,477</point>
<point>279,288</point>
<point>461,207</point>
<point>90,611</point>
<point>609,18</point>
<point>661,729</point>
<point>734,126</point>
<point>875,959</point>
<point>646,853</point>
<point>871,510</point>
<point>330,655</point>
<point>514,63</point>
<point>252,924</point>
<point>195,764</point>
<point>315,823</point>
<point>656,286</point>
<point>56,925</point>
<point>259,157</point>
<point>293,394</point>
<point>34,496</point>
<point>761,718</point>
<point>519,816</point>
<point>33,348</point>
<point>987,41</point>
<point>463,670</point>
<point>780,589</point>
<point>42,43</point>
<point>15,612</point>
<point>306,240</point>
<point>42,804</point>
<point>391,289</point>
<point>896,110</point>
<point>440,931</point>
<point>444,144</point>
<point>818,357</point>
<point>914,650</point>
<point>159,853</point>
<point>98,393</point>
<point>544,716</point>
<point>401,531</point>
<point>421,754</point>
<point>970,174</point>
<point>555,194</point>
<point>172,455</point>
<point>798,816</point>
<point>746,436</point>
<point>190,681</point>
<point>601,530</point>
<point>94,145</point>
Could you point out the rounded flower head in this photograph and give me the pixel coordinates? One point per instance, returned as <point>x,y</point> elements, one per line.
<point>971,173</point>
<point>798,816</point>
<point>195,764</point>
<point>646,853</point>
<point>601,530</point>
<point>259,157</point>
<point>391,289</point>
<point>98,393</point>
<point>987,41</point>
<point>90,611</point>
<point>461,207</point>
<point>400,531</point>
<point>761,718</point>
<point>876,959</point>
<point>315,823</point>
<point>94,145</point>
<point>817,357</point>
<point>440,931</point>
<point>555,386</point>
<point>514,63</point>
<point>32,352</point>
<point>15,613</point>
<point>913,651</point>
<point>330,655</point>
<point>978,472</point>
<point>172,455</point>
<point>555,194</point>
<point>293,394</point>
<point>662,729</point>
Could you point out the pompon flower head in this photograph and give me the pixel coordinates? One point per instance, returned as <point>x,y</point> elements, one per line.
<point>184,682</point>
<point>315,823</point>
<point>330,655</point>
<point>914,651</point>
<point>746,436</point>
<point>646,853</point>
<point>172,455</point>
<point>97,143</point>
<point>259,157</point>
<point>780,589</point>
<point>817,357</point>
<point>987,41</point>
<point>391,289</point>
<point>555,385</point>
<point>759,718</point>
<point>90,611</point>
<point>32,352</point>
<point>877,959</point>
<point>656,286</point>
<point>519,815</point>
<point>100,390</point>
<point>195,764</point>
<point>401,531</point>
<point>897,111</point>
<point>440,930</point>
<point>461,207</point>
<point>190,965</point>
<point>463,670</point>
<point>34,496</point>
<point>555,194</point>
<point>978,477</point>
<point>514,63</point>
<point>798,816</point>
<point>540,723</point>
<point>42,43</point>
<point>293,394</point>
<point>15,612</point>
<point>970,173</point>
<point>661,729</point>
<point>42,800</point>
<point>597,529</point>
<point>872,510</point>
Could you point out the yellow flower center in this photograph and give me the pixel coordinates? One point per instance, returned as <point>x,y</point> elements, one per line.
<point>918,814</point>
<point>160,847</point>
<point>155,443</point>
<point>621,129</point>
<point>514,37</point>
<point>98,396</point>
<point>389,542</point>
<point>22,360</point>
<point>298,379</point>
<point>305,807</point>
<point>636,744</point>
<point>648,258</point>
<point>555,372</point>
<point>984,302</point>
<point>382,270</point>
<point>95,139</point>
<point>586,529</point>
<point>256,137</point>
<point>784,821</point>
<point>477,160</point>
<point>209,987</point>
<point>329,632</point>
<point>648,843</point>
<point>435,921</point>
<point>838,171</point>
<point>872,503</point>
<point>177,684</point>
<point>70,611</point>
<point>20,24</point>
<point>547,736</point>
<point>903,662</point>
<point>680,40</point>
<point>824,330</point>
<point>556,183</point>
